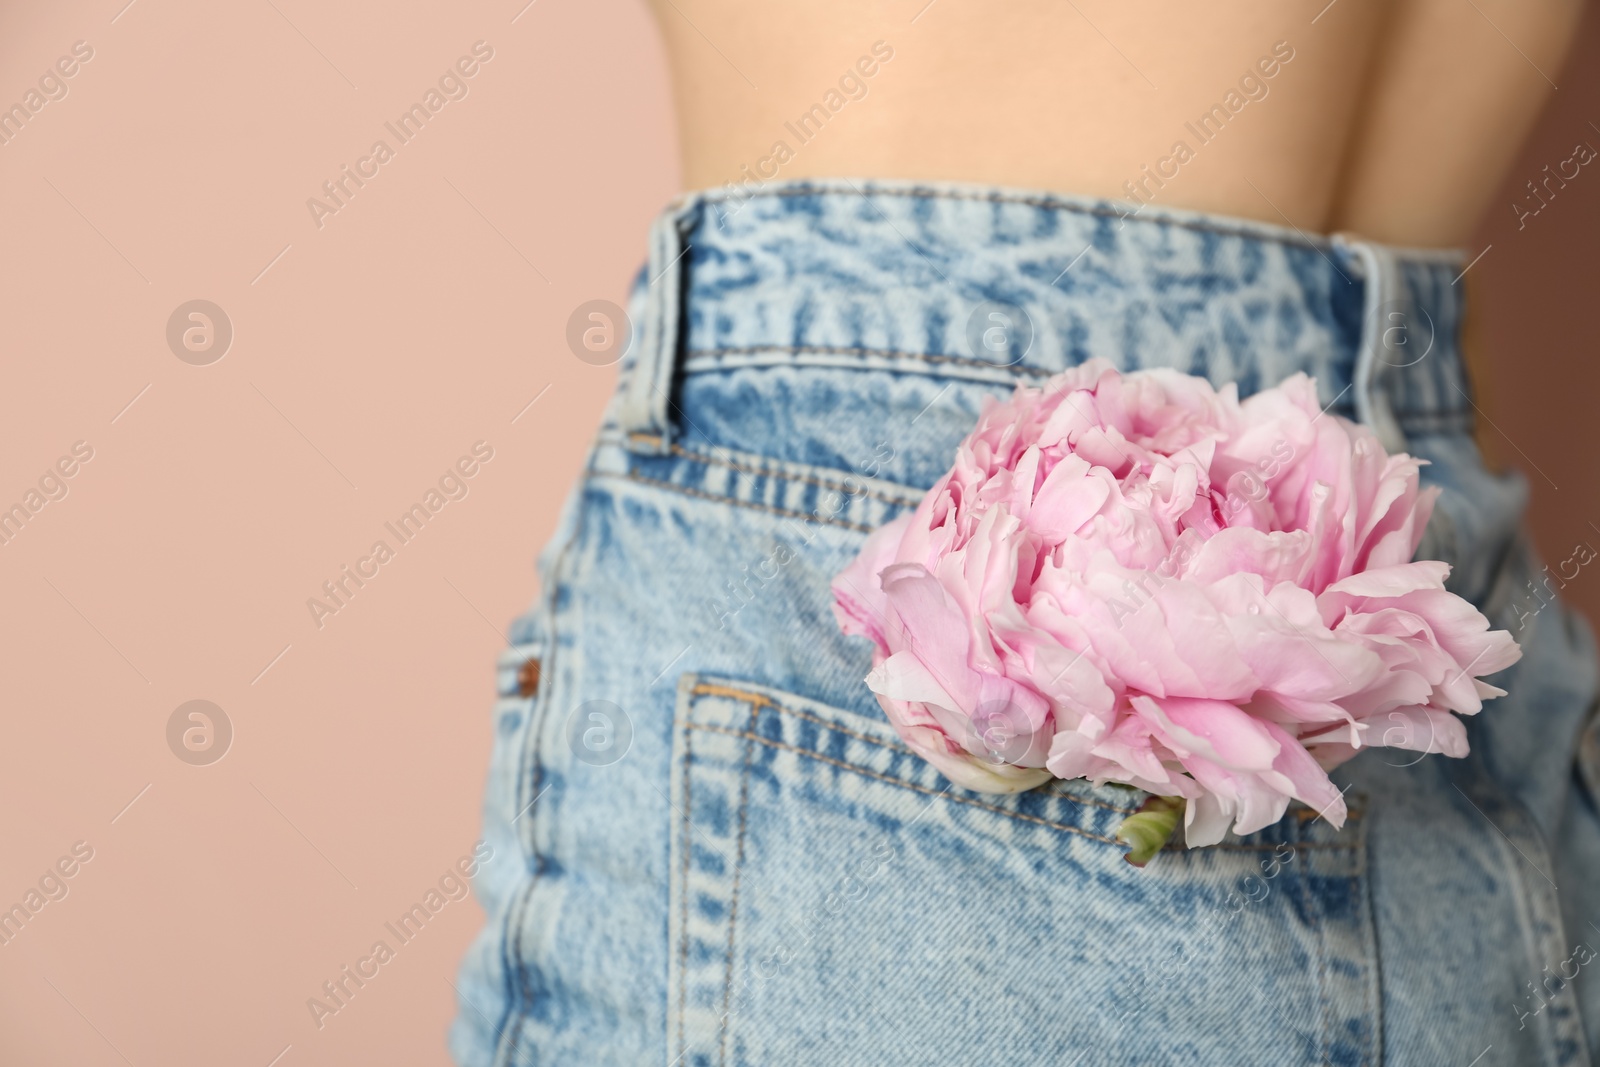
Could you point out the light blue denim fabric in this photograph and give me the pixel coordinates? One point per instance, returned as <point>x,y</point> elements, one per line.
<point>728,857</point>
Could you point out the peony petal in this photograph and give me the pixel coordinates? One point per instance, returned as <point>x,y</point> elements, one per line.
<point>1068,498</point>
<point>1297,774</point>
<point>859,603</point>
<point>1420,729</point>
<point>1212,729</point>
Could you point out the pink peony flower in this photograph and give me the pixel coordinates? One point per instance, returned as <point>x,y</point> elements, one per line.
<point>1140,579</point>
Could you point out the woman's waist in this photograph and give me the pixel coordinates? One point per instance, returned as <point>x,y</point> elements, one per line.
<point>829,322</point>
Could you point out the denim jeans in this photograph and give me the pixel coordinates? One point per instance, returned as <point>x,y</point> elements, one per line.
<point>724,855</point>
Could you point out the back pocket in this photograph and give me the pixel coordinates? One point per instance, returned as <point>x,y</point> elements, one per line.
<point>835,900</point>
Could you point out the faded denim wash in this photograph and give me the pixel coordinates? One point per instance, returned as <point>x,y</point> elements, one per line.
<point>723,855</point>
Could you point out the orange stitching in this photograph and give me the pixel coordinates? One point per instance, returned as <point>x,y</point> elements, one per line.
<point>781,512</point>
<point>899,782</point>
<point>771,472</point>
<point>710,689</point>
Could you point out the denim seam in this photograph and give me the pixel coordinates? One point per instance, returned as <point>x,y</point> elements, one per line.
<point>1023,816</point>
<point>900,782</point>
<point>738,872</point>
<point>857,350</point>
<point>762,701</point>
<point>769,509</point>
<point>531,765</point>
<point>515,980</point>
<point>1033,201</point>
<point>753,697</point>
<point>711,689</point>
<point>1529,898</point>
<point>1374,981</point>
<point>1417,420</point>
<point>1333,1005</point>
<point>1355,896</point>
<point>767,472</point>
<point>1302,883</point>
<point>1271,846</point>
<point>683,900</point>
<point>517,992</point>
<point>1105,805</point>
<point>1325,1037</point>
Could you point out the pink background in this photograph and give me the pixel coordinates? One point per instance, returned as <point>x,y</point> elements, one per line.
<point>371,353</point>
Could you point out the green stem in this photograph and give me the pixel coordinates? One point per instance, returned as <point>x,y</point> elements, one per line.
<point>1150,828</point>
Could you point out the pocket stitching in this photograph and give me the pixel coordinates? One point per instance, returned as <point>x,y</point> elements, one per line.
<point>716,499</point>
<point>759,700</point>
<point>1023,816</point>
<point>752,697</point>
<point>738,877</point>
<point>755,471</point>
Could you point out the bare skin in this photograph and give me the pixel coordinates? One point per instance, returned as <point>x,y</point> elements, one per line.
<point>1393,119</point>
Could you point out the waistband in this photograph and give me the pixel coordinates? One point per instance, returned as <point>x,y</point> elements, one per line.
<point>1003,285</point>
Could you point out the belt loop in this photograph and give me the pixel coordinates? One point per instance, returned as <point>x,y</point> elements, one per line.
<point>644,418</point>
<point>1388,309</point>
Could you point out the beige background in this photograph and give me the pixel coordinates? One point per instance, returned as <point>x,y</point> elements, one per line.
<point>367,356</point>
